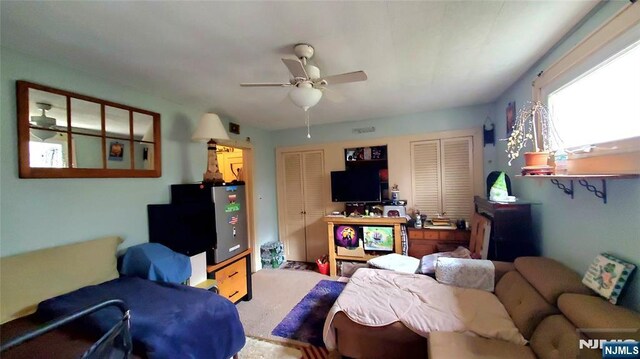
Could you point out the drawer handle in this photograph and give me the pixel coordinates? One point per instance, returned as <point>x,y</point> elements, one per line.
<point>234,293</point>
<point>234,273</point>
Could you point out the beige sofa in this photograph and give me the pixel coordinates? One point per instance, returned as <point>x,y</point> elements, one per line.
<point>545,299</point>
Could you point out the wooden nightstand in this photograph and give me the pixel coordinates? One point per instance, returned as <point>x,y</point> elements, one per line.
<point>233,277</point>
<point>423,241</point>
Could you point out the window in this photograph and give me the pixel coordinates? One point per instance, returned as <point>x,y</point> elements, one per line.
<point>602,104</point>
<point>46,154</point>
<point>593,92</point>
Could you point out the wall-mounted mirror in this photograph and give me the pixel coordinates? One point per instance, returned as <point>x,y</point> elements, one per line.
<point>67,135</point>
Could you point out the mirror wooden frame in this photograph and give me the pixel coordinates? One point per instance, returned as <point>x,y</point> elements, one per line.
<point>24,137</point>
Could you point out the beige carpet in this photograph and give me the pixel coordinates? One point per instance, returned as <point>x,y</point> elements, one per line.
<point>275,293</point>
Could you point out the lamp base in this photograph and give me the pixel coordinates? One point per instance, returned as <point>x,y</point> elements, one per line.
<point>213,174</point>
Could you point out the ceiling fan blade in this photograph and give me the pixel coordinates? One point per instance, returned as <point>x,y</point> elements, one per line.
<point>296,68</point>
<point>264,85</point>
<point>333,95</point>
<point>343,78</point>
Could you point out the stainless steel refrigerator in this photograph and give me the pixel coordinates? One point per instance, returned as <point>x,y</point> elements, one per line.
<point>231,220</point>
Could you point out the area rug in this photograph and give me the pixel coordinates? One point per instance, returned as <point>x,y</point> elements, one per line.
<point>298,265</point>
<point>305,321</point>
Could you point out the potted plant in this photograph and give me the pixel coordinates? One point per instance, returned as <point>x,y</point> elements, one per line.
<point>532,120</point>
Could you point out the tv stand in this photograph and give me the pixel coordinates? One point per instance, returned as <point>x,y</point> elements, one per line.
<point>332,221</point>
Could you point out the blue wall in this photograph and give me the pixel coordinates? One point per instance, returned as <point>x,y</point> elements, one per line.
<point>39,213</point>
<point>575,230</point>
<point>468,117</point>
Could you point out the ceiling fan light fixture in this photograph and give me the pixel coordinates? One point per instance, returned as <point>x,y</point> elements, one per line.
<point>43,121</point>
<point>305,97</point>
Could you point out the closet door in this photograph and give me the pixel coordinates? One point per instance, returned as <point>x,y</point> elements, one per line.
<point>457,177</point>
<point>425,176</point>
<point>293,232</point>
<point>315,229</point>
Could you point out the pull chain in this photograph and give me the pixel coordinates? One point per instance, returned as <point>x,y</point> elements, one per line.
<point>307,122</point>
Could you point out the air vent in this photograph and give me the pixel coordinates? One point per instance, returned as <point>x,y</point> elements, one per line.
<point>364,129</point>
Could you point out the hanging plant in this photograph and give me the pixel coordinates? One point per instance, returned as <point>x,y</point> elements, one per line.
<point>528,118</point>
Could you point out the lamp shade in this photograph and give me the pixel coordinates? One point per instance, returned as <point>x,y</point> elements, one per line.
<point>210,127</point>
<point>305,96</point>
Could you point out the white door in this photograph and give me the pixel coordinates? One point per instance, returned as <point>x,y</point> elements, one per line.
<point>293,207</point>
<point>302,196</point>
<point>457,177</point>
<point>425,176</point>
<point>315,228</point>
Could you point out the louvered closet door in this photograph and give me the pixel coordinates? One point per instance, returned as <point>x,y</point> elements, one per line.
<point>294,228</point>
<point>316,230</point>
<point>457,177</point>
<point>425,176</point>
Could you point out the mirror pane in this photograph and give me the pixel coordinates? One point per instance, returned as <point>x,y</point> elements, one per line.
<point>47,110</point>
<point>143,156</point>
<point>87,151</point>
<point>48,149</point>
<point>86,118</point>
<point>118,154</point>
<point>142,127</point>
<point>117,122</point>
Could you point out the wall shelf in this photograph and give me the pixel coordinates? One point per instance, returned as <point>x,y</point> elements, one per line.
<point>583,180</point>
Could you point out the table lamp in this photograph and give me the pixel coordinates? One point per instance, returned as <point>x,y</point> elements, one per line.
<point>210,129</point>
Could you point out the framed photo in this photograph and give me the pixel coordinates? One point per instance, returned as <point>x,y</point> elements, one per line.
<point>116,151</point>
<point>511,116</point>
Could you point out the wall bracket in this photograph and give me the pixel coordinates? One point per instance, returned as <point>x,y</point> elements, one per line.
<point>567,190</point>
<point>602,194</point>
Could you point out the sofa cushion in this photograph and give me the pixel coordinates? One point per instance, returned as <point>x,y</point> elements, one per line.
<point>540,270</point>
<point>29,278</point>
<point>555,338</point>
<point>461,346</point>
<point>524,304</point>
<point>586,311</point>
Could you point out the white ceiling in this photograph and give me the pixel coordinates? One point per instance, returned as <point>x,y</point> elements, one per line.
<point>419,56</point>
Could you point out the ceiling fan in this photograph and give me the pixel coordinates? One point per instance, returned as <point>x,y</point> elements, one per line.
<point>306,80</point>
<point>44,122</point>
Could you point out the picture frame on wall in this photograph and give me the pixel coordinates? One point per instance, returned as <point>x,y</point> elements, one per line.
<point>511,116</point>
<point>116,151</point>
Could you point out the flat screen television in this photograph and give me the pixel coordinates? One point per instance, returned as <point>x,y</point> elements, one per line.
<point>356,185</point>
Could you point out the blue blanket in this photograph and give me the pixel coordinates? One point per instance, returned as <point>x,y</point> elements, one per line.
<point>168,320</point>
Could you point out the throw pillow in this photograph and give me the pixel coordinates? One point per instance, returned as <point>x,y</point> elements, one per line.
<point>395,262</point>
<point>608,275</point>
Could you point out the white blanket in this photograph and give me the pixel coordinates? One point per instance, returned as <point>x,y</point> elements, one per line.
<point>378,297</point>
<point>466,273</point>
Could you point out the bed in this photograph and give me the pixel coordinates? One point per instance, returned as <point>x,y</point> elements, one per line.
<point>167,320</point>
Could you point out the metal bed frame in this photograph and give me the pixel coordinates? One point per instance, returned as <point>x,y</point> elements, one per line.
<point>114,344</point>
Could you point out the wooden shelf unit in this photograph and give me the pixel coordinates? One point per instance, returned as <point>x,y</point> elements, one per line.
<point>332,221</point>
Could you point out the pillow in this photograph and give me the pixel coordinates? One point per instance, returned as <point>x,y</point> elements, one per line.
<point>466,273</point>
<point>29,278</point>
<point>395,262</point>
<point>428,262</point>
<point>608,275</point>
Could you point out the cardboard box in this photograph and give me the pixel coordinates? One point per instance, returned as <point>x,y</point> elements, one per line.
<point>354,253</point>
